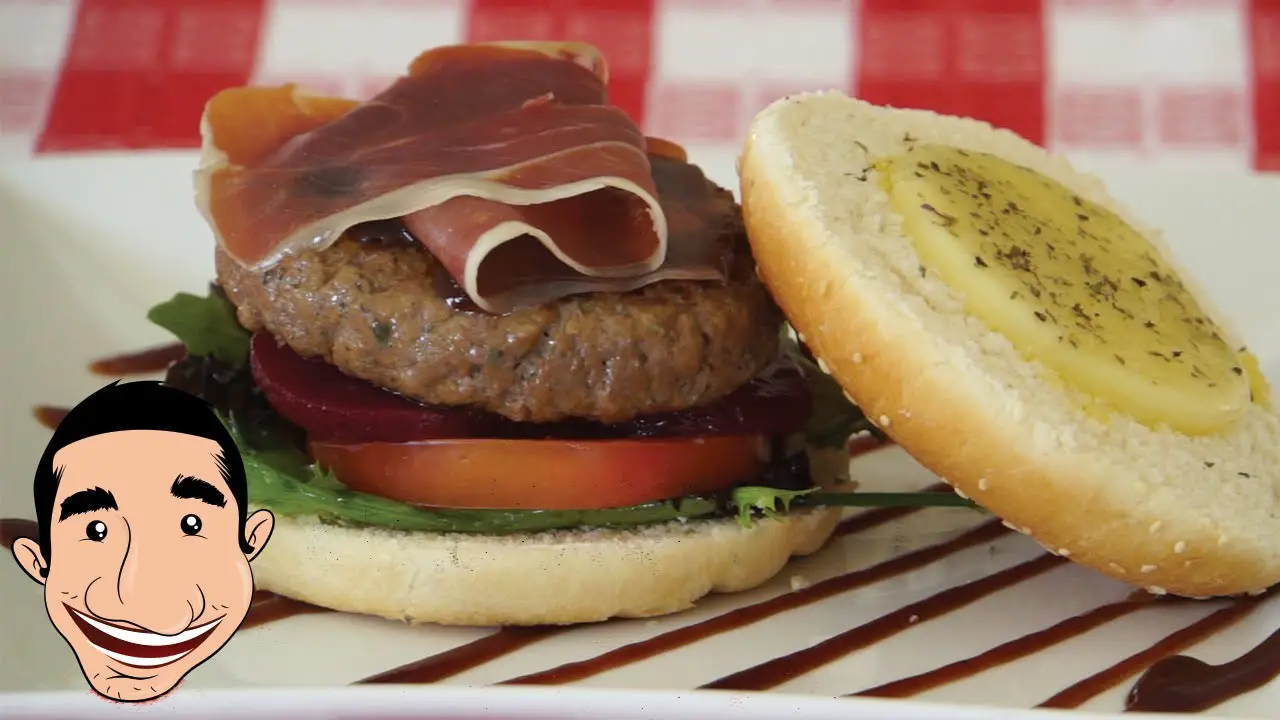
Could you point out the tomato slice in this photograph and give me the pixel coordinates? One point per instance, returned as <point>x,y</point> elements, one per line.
<point>543,474</point>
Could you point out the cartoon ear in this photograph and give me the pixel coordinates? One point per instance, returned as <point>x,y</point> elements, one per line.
<point>257,531</point>
<point>27,552</point>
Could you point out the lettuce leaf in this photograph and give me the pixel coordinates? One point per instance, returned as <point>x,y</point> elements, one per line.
<point>835,418</point>
<point>752,499</point>
<point>206,325</point>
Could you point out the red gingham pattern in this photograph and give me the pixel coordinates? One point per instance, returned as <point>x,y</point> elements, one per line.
<point>1264,46</point>
<point>1128,79</point>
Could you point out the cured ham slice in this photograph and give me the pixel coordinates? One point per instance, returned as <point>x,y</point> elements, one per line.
<point>504,160</point>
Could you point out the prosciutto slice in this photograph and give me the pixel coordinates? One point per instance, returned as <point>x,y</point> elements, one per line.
<point>504,160</point>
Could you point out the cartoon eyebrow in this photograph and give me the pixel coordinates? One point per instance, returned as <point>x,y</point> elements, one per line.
<point>87,501</point>
<point>193,488</point>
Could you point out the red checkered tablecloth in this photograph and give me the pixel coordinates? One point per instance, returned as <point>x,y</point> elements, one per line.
<point>1126,79</point>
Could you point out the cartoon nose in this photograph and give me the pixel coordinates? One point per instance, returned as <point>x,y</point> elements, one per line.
<point>148,588</point>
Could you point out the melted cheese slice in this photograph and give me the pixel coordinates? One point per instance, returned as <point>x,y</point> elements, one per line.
<point>1072,285</point>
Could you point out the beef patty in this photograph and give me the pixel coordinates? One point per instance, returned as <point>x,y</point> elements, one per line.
<point>376,311</point>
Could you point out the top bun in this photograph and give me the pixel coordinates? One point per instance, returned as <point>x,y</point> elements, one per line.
<point>1189,514</point>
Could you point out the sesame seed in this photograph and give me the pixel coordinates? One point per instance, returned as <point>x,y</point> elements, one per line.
<point>1116,568</point>
<point>1064,552</point>
<point>982,484</point>
<point>1009,525</point>
<point>800,336</point>
<point>1222,540</point>
<point>1025,530</point>
<point>884,421</point>
<point>1179,547</point>
<point>849,397</point>
<point>822,365</point>
<point>1156,590</point>
<point>1147,569</point>
<point>913,619</point>
<point>857,358</point>
<point>1155,526</point>
<point>1256,593</point>
<point>961,494</point>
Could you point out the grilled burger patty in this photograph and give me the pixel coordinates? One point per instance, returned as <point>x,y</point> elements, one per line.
<point>376,308</point>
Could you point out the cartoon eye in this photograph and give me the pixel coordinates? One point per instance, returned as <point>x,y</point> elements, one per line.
<point>96,531</point>
<point>191,524</point>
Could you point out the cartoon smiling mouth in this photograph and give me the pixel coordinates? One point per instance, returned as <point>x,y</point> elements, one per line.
<point>140,648</point>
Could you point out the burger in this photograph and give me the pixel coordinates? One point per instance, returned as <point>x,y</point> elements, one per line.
<point>494,357</point>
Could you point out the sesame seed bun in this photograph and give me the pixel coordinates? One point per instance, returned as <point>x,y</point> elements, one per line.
<point>1193,516</point>
<point>548,578</point>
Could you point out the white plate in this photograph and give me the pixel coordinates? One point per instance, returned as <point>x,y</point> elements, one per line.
<point>91,242</point>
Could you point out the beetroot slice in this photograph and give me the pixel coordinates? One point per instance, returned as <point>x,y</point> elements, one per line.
<point>331,405</point>
<point>335,407</point>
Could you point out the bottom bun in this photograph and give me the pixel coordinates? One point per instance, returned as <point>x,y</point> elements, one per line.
<point>546,578</point>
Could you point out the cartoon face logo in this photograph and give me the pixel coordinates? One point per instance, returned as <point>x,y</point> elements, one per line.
<point>145,542</point>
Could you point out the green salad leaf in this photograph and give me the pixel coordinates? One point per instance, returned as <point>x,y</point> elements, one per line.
<point>886,499</point>
<point>206,325</point>
<point>835,419</point>
<point>750,499</point>
<point>770,502</point>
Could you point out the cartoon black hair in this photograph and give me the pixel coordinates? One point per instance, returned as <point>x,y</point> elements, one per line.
<point>141,405</point>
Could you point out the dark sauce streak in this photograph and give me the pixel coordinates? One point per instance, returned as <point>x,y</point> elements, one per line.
<point>1098,683</point>
<point>1182,684</point>
<point>143,362</point>
<point>779,670</point>
<point>13,528</point>
<point>750,614</point>
<point>1007,652</point>
<point>49,416</point>
<point>464,657</point>
<point>268,607</point>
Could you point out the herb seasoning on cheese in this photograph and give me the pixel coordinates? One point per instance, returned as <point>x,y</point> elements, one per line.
<point>1070,284</point>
